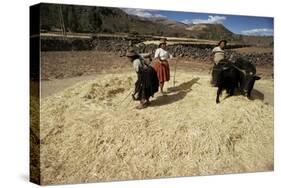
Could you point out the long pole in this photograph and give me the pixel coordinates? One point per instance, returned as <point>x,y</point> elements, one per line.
<point>175,73</point>
<point>62,21</point>
<point>125,97</point>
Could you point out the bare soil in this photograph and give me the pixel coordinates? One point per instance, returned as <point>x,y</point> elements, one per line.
<point>257,50</point>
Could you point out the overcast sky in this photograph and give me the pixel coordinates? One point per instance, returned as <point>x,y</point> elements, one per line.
<point>247,25</point>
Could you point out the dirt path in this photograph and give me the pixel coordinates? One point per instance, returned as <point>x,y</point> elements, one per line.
<point>51,87</point>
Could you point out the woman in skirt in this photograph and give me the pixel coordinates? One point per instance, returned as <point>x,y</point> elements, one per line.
<point>161,64</point>
<point>147,83</point>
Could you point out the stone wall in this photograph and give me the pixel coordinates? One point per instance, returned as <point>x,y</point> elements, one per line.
<point>119,46</point>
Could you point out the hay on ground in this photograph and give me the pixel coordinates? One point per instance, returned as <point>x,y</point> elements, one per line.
<point>87,135</point>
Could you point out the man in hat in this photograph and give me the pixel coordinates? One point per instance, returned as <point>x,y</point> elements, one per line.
<point>161,64</point>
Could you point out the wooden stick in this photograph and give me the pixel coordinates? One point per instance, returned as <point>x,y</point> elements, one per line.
<point>125,97</point>
<point>175,73</point>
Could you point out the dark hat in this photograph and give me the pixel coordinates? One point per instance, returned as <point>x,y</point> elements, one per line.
<point>222,41</point>
<point>131,52</point>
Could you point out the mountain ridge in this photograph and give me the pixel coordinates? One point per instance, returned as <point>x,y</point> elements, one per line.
<point>91,19</point>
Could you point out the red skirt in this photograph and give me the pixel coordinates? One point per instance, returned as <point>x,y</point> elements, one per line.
<point>163,70</point>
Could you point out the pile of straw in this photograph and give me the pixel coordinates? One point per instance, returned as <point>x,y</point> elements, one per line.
<point>88,134</point>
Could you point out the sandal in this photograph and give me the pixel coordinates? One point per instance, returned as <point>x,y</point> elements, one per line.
<point>141,106</point>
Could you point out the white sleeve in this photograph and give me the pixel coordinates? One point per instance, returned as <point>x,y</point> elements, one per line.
<point>217,49</point>
<point>145,55</point>
<point>214,49</point>
<point>167,55</point>
<point>170,56</point>
<point>136,65</point>
<point>157,53</point>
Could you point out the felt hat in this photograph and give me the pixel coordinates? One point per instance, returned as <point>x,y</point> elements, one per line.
<point>131,53</point>
<point>163,41</point>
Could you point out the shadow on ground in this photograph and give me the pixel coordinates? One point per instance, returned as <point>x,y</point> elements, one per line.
<point>257,95</point>
<point>175,94</point>
<point>184,86</point>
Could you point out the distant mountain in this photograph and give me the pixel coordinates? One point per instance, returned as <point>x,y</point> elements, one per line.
<point>89,19</point>
<point>257,40</point>
<point>100,20</point>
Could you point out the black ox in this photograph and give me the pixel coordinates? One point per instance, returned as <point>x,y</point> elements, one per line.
<point>239,75</point>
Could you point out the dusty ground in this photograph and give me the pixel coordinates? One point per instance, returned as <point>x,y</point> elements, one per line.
<point>59,65</point>
<point>90,130</point>
<point>254,50</point>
